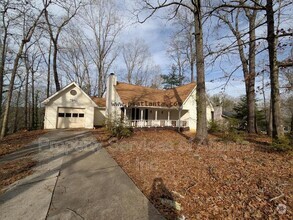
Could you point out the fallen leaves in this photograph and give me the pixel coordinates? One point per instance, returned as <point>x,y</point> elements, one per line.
<point>222,180</point>
<point>15,170</point>
<point>18,140</point>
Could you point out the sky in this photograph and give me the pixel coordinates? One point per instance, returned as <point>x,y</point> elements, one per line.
<point>156,32</point>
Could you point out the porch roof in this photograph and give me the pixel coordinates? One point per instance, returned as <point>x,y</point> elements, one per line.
<point>146,96</point>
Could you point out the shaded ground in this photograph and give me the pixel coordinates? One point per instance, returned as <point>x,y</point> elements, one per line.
<point>16,141</point>
<point>224,180</point>
<point>18,168</point>
<point>15,170</point>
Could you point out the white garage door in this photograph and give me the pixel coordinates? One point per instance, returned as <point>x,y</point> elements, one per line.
<point>71,118</point>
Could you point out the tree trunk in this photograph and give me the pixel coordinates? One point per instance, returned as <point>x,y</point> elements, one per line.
<point>26,94</point>
<point>49,70</point>
<point>270,124</point>
<point>201,127</point>
<point>2,67</point>
<point>33,101</point>
<point>251,117</point>
<point>16,122</point>
<point>37,111</point>
<point>274,72</point>
<point>292,124</point>
<point>100,82</point>
<point>55,72</point>
<point>10,90</point>
<point>191,72</point>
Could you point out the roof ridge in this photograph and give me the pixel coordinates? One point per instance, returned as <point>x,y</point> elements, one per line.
<point>155,88</point>
<point>181,86</point>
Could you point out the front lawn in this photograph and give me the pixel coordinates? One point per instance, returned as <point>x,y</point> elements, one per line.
<point>224,180</point>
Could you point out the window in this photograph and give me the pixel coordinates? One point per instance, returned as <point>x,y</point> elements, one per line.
<point>81,115</point>
<point>68,115</point>
<point>61,115</point>
<point>74,115</point>
<point>73,92</point>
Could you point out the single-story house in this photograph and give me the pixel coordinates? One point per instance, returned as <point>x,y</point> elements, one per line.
<point>137,106</point>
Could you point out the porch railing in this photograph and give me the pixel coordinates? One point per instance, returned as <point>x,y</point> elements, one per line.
<point>157,123</point>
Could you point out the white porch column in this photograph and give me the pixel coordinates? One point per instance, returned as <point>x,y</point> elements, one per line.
<point>125,114</point>
<point>156,115</point>
<point>141,118</point>
<point>168,118</point>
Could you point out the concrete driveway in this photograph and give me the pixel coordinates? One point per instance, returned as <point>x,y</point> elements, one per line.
<point>74,179</point>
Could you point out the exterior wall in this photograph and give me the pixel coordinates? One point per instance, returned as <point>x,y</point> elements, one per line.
<point>50,119</point>
<point>190,106</point>
<point>191,116</point>
<point>209,112</point>
<point>218,111</point>
<point>89,117</point>
<point>100,117</point>
<point>65,99</point>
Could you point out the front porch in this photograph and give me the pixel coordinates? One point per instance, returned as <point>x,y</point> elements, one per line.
<point>159,117</point>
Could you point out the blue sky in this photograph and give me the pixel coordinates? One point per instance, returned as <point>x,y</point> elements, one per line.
<point>156,33</point>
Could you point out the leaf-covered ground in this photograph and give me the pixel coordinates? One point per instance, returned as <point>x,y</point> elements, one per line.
<point>15,170</point>
<point>18,140</point>
<point>19,168</point>
<point>221,181</point>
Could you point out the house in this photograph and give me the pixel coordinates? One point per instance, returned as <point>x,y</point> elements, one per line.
<point>137,106</point>
<point>71,107</point>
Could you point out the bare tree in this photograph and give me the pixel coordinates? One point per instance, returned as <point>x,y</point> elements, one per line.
<point>75,60</point>
<point>176,52</point>
<point>137,60</point>
<point>56,25</point>
<point>29,30</point>
<point>46,54</point>
<point>232,20</point>
<point>195,9</point>
<point>103,25</point>
<point>272,39</point>
<point>183,40</point>
<point>5,22</point>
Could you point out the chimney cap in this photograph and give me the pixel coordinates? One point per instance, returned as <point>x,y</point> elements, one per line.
<point>112,74</point>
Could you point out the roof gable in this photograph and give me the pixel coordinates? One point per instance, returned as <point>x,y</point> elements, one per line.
<point>64,90</point>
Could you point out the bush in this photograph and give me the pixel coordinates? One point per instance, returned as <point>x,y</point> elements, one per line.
<point>283,144</point>
<point>118,128</point>
<point>233,136</point>
<point>214,127</point>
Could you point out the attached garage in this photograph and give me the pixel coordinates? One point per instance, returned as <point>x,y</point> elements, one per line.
<point>71,118</point>
<point>71,107</point>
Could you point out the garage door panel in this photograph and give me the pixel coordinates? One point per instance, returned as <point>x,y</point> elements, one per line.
<point>71,118</point>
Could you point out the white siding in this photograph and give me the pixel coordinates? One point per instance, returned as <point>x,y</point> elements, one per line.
<point>191,116</point>
<point>65,99</point>
<point>99,117</point>
<point>190,105</point>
